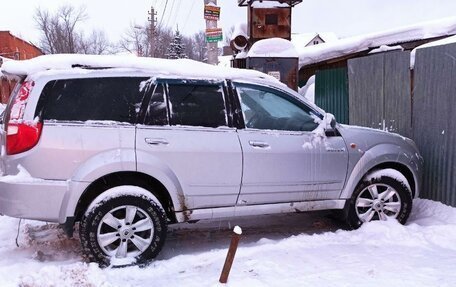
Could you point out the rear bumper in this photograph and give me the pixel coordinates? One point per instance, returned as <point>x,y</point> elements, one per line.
<point>36,199</point>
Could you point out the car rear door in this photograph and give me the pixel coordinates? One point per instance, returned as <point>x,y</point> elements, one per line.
<point>186,132</point>
<point>88,124</point>
<point>284,160</point>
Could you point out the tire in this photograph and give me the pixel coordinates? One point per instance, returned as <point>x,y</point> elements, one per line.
<point>379,198</point>
<point>123,228</point>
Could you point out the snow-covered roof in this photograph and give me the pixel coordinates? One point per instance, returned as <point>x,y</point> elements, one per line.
<point>303,39</point>
<point>322,52</point>
<point>269,4</point>
<point>265,3</point>
<point>180,68</point>
<point>445,41</point>
<point>273,47</point>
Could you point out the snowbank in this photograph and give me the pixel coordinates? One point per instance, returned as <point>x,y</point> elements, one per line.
<point>422,253</point>
<point>273,47</point>
<point>325,51</point>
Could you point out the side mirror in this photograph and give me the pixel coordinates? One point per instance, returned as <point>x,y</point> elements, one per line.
<point>330,121</point>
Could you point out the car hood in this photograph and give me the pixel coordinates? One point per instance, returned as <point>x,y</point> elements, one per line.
<point>366,138</point>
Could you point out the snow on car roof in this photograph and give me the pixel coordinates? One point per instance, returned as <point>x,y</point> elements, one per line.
<point>322,52</point>
<point>180,68</point>
<point>2,60</point>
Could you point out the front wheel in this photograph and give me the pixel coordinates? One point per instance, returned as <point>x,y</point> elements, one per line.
<point>379,198</point>
<point>123,229</point>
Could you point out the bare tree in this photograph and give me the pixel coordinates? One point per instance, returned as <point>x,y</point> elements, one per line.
<point>227,36</point>
<point>97,44</point>
<point>141,41</point>
<point>60,34</point>
<point>198,47</point>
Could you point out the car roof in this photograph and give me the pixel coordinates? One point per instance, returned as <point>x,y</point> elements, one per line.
<point>70,64</point>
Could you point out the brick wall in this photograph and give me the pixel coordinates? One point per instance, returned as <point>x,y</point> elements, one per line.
<point>14,48</point>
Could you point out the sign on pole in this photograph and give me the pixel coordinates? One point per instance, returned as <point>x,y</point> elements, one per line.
<point>214,35</point>
<point>211,12</point>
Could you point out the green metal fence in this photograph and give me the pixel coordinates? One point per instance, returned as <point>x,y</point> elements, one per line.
<point>331,92</point>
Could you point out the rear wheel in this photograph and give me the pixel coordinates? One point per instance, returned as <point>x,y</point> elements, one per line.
<point>122,227</point>
<point>379,198</point>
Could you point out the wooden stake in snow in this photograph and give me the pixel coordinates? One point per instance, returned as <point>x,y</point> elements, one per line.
<point>230,255</point>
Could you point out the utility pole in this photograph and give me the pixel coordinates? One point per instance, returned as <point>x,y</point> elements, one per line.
<point>212,48</point>
<point>151,30</point>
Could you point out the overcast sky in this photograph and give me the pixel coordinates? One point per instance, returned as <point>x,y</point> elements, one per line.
<point>344,17</point>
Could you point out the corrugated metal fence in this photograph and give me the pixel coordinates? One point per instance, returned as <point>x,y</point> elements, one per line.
<point>380,96</point>
<point>331,86</point>
<point>379,89</point>
<point>434,120</point>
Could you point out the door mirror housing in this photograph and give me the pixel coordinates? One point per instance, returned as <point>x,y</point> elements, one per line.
<point>330,121</point>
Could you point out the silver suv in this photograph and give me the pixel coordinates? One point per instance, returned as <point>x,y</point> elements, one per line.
<point>126,146</point>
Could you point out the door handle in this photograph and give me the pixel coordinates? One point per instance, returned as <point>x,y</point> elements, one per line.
<point>259,144</point>
<point>150,141</point>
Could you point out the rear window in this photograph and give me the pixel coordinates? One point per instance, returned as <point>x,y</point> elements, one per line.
<point>97,99</point>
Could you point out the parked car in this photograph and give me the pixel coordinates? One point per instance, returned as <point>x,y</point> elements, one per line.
<point>127,146</point>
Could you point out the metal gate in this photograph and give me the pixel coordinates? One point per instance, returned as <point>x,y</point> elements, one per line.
<point>434,120</point>
<point>379,89</point>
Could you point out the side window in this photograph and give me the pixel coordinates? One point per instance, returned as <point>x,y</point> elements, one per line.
<point>267,110</point>
<point>96,99</point>
<point>197,105</point>
<point>156,113</point>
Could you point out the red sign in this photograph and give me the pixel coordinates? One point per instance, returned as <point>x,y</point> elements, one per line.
<point>211,12</point>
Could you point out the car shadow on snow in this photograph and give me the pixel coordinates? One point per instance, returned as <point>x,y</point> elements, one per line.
<point>48,242</point>
<point>203,236</point>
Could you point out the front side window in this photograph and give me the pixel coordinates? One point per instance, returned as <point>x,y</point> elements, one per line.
<point>95,99</point>
<point>270,110</point>
<point>197,105</point>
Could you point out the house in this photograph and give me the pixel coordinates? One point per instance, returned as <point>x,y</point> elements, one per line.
<point>6,85</point>
<point>13,48</point>
<point>310,39</point>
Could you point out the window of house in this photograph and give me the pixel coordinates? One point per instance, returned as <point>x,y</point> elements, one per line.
<point>272,19</point>
<point>97,99</point>
<point>197,105</point>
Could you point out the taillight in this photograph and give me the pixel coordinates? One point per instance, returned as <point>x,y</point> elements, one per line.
<point>20,135</point>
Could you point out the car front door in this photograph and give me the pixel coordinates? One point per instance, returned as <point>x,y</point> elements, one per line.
<point>285,159</point>
<point>186,132</point>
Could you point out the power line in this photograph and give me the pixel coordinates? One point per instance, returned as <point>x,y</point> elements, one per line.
<point>163,14</point>
<point>189,13</point>
<point>176,15</point>
<point>170,13</point>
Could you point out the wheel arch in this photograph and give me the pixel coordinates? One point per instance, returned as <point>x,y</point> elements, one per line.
<point>139,179</point>
<point>403,169</point>
<point>373,160</point>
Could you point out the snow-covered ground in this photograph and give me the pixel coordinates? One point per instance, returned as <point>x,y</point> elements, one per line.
<point>283,250</point>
